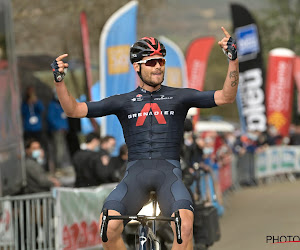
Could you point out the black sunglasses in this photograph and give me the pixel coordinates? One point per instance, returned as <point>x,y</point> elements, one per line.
<point>153,61</point>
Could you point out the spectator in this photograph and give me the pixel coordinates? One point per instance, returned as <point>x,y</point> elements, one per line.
<point>36,177</point>
<point>32,110</point>
<point>108,144</point>
<point>295,136</point>
<point>117,164</point>
<point>90,170</point>
<point>273,136</point>
<point>107,147</point>
<point>58,127</point>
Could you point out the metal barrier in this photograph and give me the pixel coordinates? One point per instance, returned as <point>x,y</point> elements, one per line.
<point>27,222</point>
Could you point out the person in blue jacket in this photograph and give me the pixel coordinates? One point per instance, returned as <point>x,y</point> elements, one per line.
<point>58,127</point>
<point>32,110</point>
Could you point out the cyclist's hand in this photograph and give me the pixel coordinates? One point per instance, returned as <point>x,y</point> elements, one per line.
<point>59,68</point>
<point>228,45</point>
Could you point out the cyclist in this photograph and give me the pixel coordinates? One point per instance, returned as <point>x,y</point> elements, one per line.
<point>152,117</point>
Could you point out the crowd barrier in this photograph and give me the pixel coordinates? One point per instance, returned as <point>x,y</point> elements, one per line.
<point>67,218</point>
<point>64,219</point>
<point>27,222</point>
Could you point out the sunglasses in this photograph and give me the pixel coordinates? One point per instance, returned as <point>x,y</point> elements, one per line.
<point>153,61</point>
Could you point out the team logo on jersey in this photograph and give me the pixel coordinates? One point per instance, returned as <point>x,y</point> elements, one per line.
<point>151,109</point>
<point>137,98</point>
<point>163,97</point>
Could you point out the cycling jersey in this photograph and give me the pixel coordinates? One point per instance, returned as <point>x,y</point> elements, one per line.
<point>152,122</point>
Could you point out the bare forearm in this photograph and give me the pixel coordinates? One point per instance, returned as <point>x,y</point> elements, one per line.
<point>228,93</point>
<point>67,101</point>
<point>232,81</point>
<point>71,107</point>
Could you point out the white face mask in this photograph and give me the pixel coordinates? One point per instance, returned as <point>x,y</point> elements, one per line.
<point>208,150</point>
<point>37,155</point>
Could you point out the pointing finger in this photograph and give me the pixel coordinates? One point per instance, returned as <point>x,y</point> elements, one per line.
<point>225,32</point>
<point>61,57</point>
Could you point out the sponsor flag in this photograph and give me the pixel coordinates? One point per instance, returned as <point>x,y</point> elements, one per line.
<point>297,79</point>
<point>175,75</point>
<point>251,95</point>
<point>85,123</point>
<point>196,60</point>
<point>279,89</point>
<point>86,52</point>
<point>117,76</point>
<point>87,61</point>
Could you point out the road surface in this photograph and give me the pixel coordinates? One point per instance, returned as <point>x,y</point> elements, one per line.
<point>252,214</point>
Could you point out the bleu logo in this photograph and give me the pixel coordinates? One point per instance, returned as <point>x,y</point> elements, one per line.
<point>247,42</point>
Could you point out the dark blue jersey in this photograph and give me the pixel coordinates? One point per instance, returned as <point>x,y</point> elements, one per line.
<point>152,122</point>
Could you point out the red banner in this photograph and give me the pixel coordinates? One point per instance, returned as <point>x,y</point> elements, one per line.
<point>297,78</point>
<point>86,52</point>
<point>196,61</point>
<point>279,89</point>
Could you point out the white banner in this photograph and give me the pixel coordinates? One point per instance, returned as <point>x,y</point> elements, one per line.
<point>277,160</point>
<point>78,211</point>
<point>6,229</point>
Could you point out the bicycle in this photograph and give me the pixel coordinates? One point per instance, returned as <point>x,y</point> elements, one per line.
<point>147,235</point>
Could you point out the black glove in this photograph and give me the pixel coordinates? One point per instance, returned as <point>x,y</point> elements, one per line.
<point>231,51</point>
<point>58,76</point>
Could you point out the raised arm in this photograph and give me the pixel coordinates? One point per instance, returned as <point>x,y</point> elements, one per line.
<point>228,93</point>
<point>71,107</point>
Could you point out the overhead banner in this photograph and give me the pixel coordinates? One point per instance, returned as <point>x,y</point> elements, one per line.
<point>117,76</point>
<point>297,79</point>
<point>279,89</point>
<point>251,95</point>
<point>175,75</point>
<point>196,60</point>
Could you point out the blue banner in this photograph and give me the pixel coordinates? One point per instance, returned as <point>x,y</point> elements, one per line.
<point>116,73</point>
<point>86,125</point>
<point>175,75</point>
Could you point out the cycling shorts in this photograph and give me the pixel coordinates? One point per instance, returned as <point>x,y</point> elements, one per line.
<point>143,176</point>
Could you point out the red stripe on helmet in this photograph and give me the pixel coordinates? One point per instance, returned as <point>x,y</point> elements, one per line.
<point>155,51</point>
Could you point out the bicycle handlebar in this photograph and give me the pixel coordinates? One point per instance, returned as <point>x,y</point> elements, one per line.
<point>103,230</point>
<point>140,218</point>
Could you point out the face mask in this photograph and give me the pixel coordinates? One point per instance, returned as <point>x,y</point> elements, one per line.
<point>208,151</point>
<point>36,154</point>
<point>97,148</point>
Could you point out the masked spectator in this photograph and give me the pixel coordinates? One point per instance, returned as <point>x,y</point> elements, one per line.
<point>37,178</point>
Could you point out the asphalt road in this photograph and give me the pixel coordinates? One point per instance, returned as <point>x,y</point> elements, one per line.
<point>254,213</point>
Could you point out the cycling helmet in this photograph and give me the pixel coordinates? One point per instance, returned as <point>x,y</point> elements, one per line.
<point>146,46</point>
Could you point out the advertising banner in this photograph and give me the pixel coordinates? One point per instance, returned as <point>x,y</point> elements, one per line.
<point>277,160</point>
<point>6,225</point>
<point>279,89</point>
<point>117,76</point>
<point>297,79</point>
<point>79,210</point>
<point>196,60</point>
<point>175,75</point>
<point>251,95</point>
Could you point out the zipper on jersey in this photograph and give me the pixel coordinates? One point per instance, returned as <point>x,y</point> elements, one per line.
<point>151,117</point>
